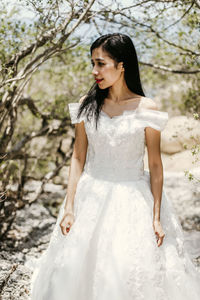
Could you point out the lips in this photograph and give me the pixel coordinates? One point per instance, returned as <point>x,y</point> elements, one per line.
<point>98,80</point>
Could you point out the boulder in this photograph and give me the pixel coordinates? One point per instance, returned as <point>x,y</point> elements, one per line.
<point>66,144</point>
<point>180,133</point>
<point>182,161</point>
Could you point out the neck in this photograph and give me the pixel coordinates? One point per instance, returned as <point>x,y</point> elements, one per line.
<point>119,91</point>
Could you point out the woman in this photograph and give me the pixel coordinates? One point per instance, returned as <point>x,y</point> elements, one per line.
<point>112,240</point>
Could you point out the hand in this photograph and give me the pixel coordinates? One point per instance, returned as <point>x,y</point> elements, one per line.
<point>159,232</point>
<point>66,222</point>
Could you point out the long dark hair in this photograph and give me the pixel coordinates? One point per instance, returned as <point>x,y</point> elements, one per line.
<point>121,49</point>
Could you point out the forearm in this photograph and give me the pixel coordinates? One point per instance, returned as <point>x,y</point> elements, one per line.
<point>156,179</point>
<point>75,171</point>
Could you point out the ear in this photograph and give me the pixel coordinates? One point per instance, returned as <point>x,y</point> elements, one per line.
<point>121,65</point>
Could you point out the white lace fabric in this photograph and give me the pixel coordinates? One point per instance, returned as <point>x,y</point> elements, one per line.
<point>111,252</point>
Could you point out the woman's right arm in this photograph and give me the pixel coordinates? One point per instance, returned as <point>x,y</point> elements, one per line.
<point>75,170</point>
<point>77,164</point>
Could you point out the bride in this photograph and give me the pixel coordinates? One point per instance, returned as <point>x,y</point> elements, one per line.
<point>116,236</point>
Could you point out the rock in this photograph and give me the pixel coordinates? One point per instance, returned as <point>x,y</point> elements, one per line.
<point>17,280</point>
<point>178,162</point>
<point>53,188</point>
<point>64,173</point>
<point>192,242</point>
<point>57,180</point>
<point>32,185</point>
<point>181,161</point>
<point>66,144</point>
<point>26,240</point>
<point>185,197</point>
<point>179,133</point>
<point>62,178</point>
<point>55,124</point>
<point>38,144</point>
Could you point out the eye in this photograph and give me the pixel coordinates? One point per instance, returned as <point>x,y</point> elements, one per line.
<point>101,64</point>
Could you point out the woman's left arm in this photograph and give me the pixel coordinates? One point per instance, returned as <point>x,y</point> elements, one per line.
<point>156,177</point>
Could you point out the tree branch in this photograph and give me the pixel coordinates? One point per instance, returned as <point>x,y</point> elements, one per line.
<point>151,29</point>
<point>41,41</point>
<point>46,130</point>
<point>167,69</point>
<point>185,13</point>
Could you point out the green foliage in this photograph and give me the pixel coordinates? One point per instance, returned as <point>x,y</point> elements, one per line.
<point>61,80</point>
<point>191,101</point>
<point>14,34</point>
<point>9,172</point>
<point>195,150</point>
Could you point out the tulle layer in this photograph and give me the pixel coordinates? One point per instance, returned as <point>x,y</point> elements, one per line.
<point>111,251</point>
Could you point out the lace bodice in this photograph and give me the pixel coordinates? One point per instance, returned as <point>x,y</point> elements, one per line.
<point>116,149</point>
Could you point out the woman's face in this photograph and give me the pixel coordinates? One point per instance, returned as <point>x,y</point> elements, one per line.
<point>105,70</point>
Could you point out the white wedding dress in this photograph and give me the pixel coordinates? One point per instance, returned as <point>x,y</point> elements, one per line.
<point>111,252</point>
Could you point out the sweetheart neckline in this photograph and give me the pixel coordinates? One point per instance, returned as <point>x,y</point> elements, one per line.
<point>121,115</point>
<point>126,112</point>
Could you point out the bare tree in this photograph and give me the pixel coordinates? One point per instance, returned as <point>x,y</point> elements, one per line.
<point>16,71</point>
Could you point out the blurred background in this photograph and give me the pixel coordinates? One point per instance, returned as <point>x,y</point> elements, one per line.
<point>45,64</point>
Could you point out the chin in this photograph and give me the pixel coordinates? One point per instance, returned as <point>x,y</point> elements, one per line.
<point>104,86</point>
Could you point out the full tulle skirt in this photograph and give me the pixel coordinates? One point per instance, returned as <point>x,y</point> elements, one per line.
<point>111,251</point>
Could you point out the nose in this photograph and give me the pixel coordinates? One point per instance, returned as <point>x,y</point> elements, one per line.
<point>94,71</point>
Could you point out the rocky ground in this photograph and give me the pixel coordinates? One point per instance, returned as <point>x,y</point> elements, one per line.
<point>30,234</point>
<point>27,238</point>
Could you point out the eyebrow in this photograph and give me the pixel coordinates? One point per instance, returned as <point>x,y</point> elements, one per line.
<point>97,59</point>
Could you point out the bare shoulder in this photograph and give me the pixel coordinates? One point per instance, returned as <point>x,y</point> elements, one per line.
<point>148,103</point>
<point>82,98</point>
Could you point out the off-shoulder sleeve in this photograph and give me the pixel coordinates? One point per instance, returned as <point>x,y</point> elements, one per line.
<point>73,111</point>
<point>153,118</point>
